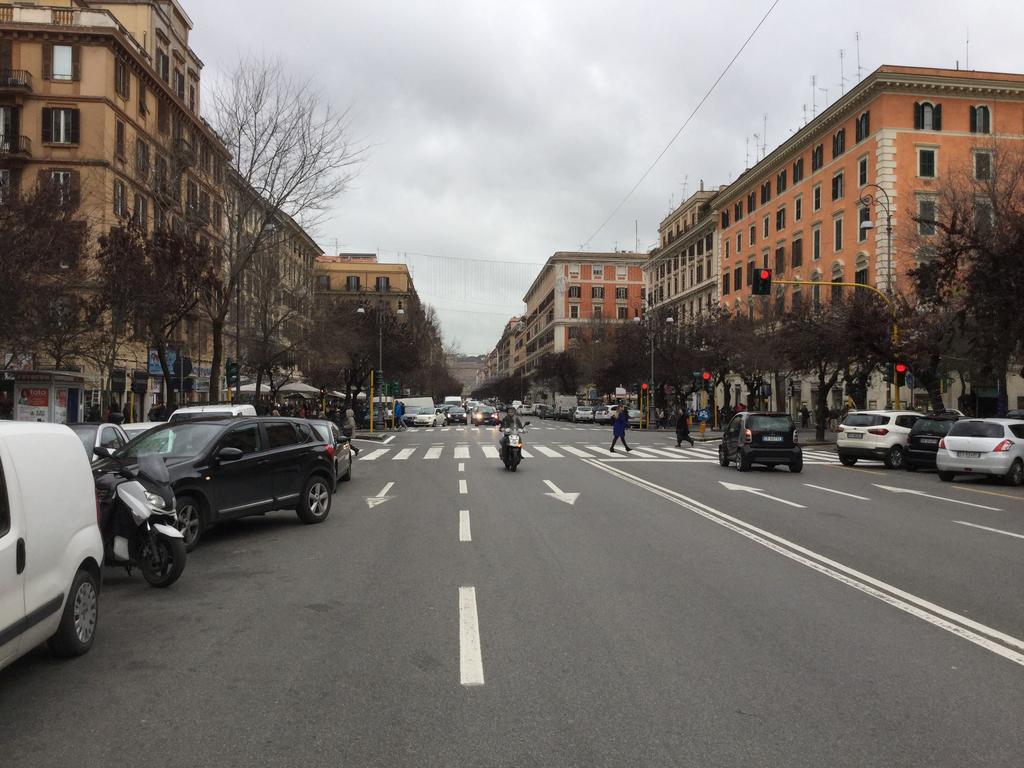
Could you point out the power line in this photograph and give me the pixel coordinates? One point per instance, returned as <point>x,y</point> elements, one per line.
<point>683,126</point>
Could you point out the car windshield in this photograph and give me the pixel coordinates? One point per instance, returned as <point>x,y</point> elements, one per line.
<point>770,423</point>
<point>865,420</point>
<point>976,429</point>
<point>183,440</point>
<point>931,426</point>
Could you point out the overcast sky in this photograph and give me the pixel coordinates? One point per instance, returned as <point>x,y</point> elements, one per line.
<point>504,131</point>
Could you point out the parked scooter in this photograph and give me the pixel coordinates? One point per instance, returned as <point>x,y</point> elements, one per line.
<point>512,446</point>
<point>137,519</point>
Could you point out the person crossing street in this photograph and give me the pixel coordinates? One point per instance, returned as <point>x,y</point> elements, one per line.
<point>619,428</point>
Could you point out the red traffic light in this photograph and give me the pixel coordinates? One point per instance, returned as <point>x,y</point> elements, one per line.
<point>644,386</point>
<point>706,376</point>
<point>765,274</point>
<point>901,367</point>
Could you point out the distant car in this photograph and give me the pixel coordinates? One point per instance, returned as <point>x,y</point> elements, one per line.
<point>137,428</point>
<point>456,415</point>
<point>94,436</point>
<point>923,442</point>
<point>875,435</point>
<point>983,447</point>
<point>582,413</point>
<point>485,415</point>
<point>330,433</point>
<point>205,412</point>
<point>769,439</point>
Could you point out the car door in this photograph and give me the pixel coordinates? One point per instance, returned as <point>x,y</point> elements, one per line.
<point>285,461</point>
<point>241,487</point>
<point>12,574</point>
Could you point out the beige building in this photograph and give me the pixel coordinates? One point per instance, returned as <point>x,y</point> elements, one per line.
<point>359,277</point>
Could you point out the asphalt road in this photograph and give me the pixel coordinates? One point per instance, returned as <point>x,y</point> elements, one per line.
<point>450,613</point>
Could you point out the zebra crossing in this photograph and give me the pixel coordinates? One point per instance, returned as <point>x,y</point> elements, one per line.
<point>666,453</point>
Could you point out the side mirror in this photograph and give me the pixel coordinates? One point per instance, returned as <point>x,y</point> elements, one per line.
<point>229,454</point>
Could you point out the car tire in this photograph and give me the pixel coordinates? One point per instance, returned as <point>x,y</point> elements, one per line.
<point>894,459</point>
<point>1016,474</point>
<point>946,477</point>
<point>191,520</point>
<point>797,467</point>
<point>742,462</point>
<point>315,502</point>
<point>77,629</point>
<point>723,457</point>
<point>847,461</point>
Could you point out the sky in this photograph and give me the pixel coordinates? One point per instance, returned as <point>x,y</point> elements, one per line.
<point>501,132</point>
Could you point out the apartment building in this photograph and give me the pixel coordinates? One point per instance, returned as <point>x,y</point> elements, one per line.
<point>359,277</point>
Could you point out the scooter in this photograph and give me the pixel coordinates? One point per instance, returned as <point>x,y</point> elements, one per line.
<point>137,519</point>
<point>512,446</point>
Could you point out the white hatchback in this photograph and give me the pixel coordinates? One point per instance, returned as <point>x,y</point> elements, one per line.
<point>983,447</point>
<point>875,436</point>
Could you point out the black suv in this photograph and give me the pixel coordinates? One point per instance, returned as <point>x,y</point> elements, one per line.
<point>760,438</point>
<point>924,438</point>
<point>228,468</point>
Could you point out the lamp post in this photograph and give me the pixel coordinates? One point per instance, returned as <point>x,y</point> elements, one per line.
<point>871,199</point>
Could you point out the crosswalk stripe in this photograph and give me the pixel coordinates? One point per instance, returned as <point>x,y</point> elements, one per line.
<point>490,451</point>
<point>461,451</point>
<point>548,451</point>
<point>374,455</point>
<point>403,454</point>
<point>433,452</point>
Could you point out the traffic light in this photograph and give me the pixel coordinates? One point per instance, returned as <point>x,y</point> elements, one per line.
<point>762,282</point>
<point>901,374</point>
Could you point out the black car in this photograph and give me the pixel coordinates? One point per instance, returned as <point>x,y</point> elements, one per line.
<point>233,468</point>
<point>761,438</point>
<point>455,415</point>
<point>923,442</point>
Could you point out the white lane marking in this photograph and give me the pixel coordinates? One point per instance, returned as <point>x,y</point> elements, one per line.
<point>374,455</point>
<point>403,454</point>
<point>463,488</point>
<point>471,663</point>
<point>757,492</point>
<point>461,451</point>
<point>464,533</point>
<point>994,530</point>
<point>491,451</point>
<point>526,454</point>
<point>462,467</point>
<point>575,451</point>
<point>388,439</point>
<point>898,598</point>
<point>841,493</point>
<point>558,493</point>
<point>384,490</point>
<point>937,498</point>
<point>548,451</point>
<point>433,452</point>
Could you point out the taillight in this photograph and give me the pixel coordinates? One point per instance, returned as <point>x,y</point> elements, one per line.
<point>1003,447</point>
<point>330,450</point>
<point>878,431</point>
<point>747,436</point>
<point>942,443</point>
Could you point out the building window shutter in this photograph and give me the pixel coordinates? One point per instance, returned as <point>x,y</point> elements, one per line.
<point>918,119</point>
<point>47,61</point>
<point>937,120</point>
<point>76,62</point>
<point>74,126</point>
<point>47,125</point>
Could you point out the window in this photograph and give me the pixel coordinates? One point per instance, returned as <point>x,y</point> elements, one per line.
<point>863,126</point>
<point>622,293</point>
<point>798,171</point>
<point>980,120</point>
<point>798,208</point>
<point>122,79</point>
<point>60,126</point>
<point>120,204</point>
<point>766,192</point>
<point>817,157</point>
<point>725,284</point>
<point>780,219</point>
<point>816,243</point>
<point>280,434</point>
<point>574,311</point>
<point>780,260</point>
<point>383,284</point>
<point>926,163</point>
<point>140,212</point>
<point>863,215</point>
<point>796,256</point>
<point>927,116</point>
<point>753,234</point>
<point>926,216</point>
<point>862,171</point>
<point>119,139</point>
<point>839,142</point>
<point>837,186</point>
<point>64,61</point>
<point>597,291</point>
<point>598,312</point>
<point>816,198</point>
<point>751,202</point>
<point>737,278</point>
<point>837,226</point>
<point>982,166</point>
<point>780,182</point>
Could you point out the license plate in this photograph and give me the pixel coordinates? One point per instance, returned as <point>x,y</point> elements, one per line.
<point>855,435</point>
<point>772,438</point>
<point>969,454</point>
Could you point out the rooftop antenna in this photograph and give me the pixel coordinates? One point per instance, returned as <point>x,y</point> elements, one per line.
<point>842,73</point>
<point>814,96</point>
<point>859,69</point>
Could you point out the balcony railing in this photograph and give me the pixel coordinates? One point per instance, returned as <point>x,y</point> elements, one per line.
<point>15,80</point>
<point>16,146</point>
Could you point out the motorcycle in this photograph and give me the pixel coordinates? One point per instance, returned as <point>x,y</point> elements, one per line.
<point>137,519</point>
<point>512,446</point>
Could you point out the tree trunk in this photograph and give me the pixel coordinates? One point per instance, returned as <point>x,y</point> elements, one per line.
<point>216,364</point>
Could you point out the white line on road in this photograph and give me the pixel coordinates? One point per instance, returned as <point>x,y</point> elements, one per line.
<point>937,498</point>
<point>384,490</point>
<point>464,534</point>
<point>374,455</point>
<point>463,488</point>
<point>471,663</point>
<point>403,454</point>
<point>434,452</point>
<point>841,493</point>
<point>986,528</point>
<point>462,467</point>
<point>461,451</point>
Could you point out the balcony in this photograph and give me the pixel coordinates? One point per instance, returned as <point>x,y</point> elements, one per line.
<point>16,148</point>
<point>15,81</point>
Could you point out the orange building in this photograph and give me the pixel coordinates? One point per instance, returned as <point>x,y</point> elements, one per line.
<point>884,148</point>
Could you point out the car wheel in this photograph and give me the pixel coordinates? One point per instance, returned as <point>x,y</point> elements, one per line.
<point>723,457</point>
<point>847,461</point>
<point>77,627</point>
<point>894,459</point>
<point>315,501</point>
<point>797,467</point>
<point>1016,474</point>
<point>742,462</point>
<point>946,477</point>
<point>191,520</point>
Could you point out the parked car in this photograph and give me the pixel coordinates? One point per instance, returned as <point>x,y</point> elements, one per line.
<point>137,428</point>
<point>875,435</point>
<point>485,415</point>
<point>456,415</point>
<point>227,468</point>
<point>50,545</point>
<point>100,436</point>
<point>983,447</point>
<point>769,439</point>
<point>582,413</point>
<point>222,411</point>
<point>331,434</point>
<point>923,442</point>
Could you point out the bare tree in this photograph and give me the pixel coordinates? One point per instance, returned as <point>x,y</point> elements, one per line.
<point>293,156</point>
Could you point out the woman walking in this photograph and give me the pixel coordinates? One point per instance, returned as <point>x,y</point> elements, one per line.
<point>619,428</point>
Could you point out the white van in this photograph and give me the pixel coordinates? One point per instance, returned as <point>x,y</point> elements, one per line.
<point>50,545</point>
<point>222,411</point>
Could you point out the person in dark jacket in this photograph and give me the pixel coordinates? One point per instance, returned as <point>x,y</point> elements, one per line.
<point>682,428</point>
<point>619,428</point>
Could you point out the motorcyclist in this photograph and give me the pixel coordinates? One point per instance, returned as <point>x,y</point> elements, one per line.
<point>509,421</point>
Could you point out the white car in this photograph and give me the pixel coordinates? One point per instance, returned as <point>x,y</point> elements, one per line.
<point>95,436</point>
<point>222,411</point>
<point>875,436</point>
<point>50,545</point>
<point>983,447</point>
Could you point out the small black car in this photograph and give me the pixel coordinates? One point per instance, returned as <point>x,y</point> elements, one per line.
<point>923,442</point>
<point>761,438</point>
<point>233,468</point>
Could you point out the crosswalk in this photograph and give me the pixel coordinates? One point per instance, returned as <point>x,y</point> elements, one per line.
<point>665,453</point>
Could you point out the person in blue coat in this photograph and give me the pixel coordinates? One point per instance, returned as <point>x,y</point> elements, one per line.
<point>619,428</point>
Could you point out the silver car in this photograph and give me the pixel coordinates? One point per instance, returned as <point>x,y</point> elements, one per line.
<point>983,447</point>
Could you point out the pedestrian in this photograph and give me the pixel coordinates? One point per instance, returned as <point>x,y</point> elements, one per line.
<point>348,428</point>
<point>682,429</point>
<point>805,415</point>
<point>619,428</point>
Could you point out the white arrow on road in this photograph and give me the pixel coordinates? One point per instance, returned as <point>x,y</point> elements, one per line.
<point>937,498</point>
<point>758,492</point>
<point>380,498</point>
<point>558,493</point>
